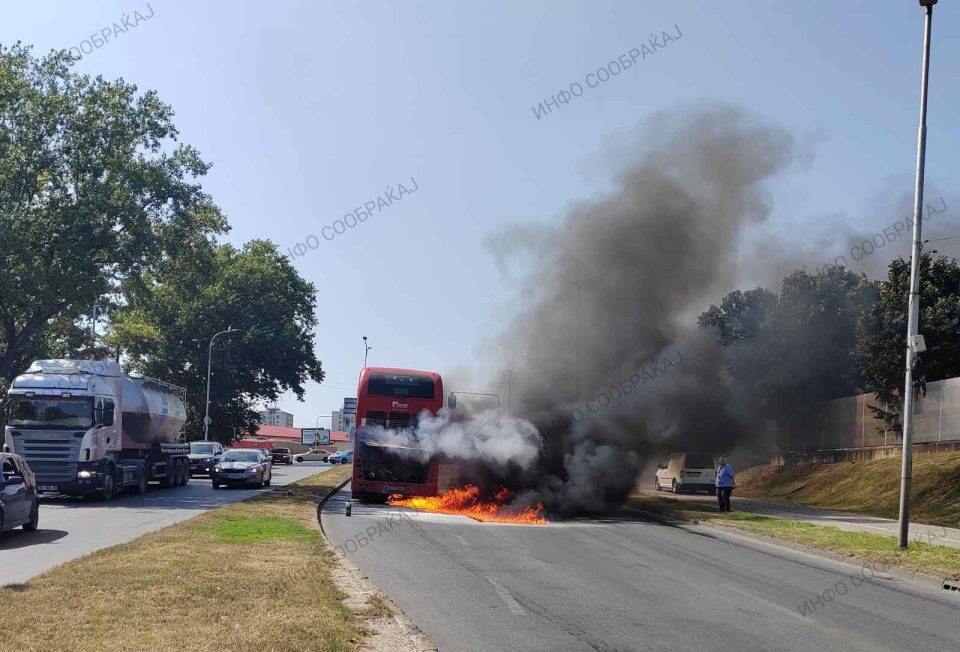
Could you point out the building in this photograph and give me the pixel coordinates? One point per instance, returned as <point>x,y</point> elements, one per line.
<point>276,417</point>
<point>348,414</point>
<point>336,420</point>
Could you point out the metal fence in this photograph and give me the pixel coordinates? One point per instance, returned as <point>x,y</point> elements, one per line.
<point>848,423</point>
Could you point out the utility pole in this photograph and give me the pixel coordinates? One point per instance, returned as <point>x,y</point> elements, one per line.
<point>578,338</point>
<point>906,471</point>
<point>366,350</point>
<point>206,419</point>
<point>93,327</point>
<point>509,387</point>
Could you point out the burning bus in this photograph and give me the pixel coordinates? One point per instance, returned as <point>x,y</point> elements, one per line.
<point>389,401</point>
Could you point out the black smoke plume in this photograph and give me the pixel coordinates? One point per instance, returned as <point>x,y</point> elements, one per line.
<point>645,259</point>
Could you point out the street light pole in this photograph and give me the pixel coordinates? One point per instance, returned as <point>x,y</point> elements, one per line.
<point>206,419</point>
<point>906,471</point>
<point>366,350</point>
<point>509,387</point>
<point>578,338</point>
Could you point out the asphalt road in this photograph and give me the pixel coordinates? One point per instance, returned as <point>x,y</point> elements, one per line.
<point>71,527</point>
<point>629,584</point>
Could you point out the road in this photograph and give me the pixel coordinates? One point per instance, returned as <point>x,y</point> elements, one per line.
<point>935,534</point>
<point>71,527</point>
<point>628,584</point>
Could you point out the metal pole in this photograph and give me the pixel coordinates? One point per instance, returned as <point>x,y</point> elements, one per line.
<point>906,470</point>
<point>93,327</point>
<point>366,350</point>
<point>509,385</point>
<point>578,338</point>
<point>206,417</point>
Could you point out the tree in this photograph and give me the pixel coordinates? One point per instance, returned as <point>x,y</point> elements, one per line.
<point>169,317</point>
<point>93,190</point>
<point>880,350</point>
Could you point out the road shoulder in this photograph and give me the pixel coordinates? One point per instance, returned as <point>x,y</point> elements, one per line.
<point>386,627</point>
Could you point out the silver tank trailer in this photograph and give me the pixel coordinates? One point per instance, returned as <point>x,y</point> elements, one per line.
<point>151,412</point>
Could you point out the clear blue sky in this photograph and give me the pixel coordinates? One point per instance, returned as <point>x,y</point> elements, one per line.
<point>309,109</point>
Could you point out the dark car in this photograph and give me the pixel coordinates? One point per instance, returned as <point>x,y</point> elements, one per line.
<point>242,466</point>
<point>19,503</point>
<point>204,455</point>
<point>281,456</point>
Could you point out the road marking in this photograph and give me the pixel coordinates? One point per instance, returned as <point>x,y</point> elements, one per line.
<point>512,604</point>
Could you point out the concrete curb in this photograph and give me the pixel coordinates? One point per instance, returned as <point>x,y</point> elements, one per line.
<point>403,627</point>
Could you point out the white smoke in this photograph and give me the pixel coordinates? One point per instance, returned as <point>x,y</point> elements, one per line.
<point>485,437</point>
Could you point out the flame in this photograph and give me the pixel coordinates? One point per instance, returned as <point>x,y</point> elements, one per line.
<point>466,501</point>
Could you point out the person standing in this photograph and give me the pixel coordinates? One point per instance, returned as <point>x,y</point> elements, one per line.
<point>726,481</point>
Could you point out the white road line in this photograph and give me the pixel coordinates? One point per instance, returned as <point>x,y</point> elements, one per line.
<point>512,604</point>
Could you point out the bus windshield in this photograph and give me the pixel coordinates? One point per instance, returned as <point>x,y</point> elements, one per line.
<point>408,386</point>
<point>50,413</point>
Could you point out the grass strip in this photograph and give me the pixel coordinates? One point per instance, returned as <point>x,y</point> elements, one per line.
<point>871,487</point>
<point>253,575</point>
<point>923,557</point>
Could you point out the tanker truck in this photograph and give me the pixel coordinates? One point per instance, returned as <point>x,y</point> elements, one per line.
<point>87,428</point>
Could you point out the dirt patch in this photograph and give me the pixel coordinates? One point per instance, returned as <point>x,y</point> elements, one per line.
<point>386,627</point>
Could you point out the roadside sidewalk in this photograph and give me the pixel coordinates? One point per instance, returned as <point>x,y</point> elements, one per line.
<point>933,534</point>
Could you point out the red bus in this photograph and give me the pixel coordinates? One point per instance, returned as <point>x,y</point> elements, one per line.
<point>393,399</point>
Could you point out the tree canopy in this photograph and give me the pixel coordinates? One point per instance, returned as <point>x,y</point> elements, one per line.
<point>99,201</point>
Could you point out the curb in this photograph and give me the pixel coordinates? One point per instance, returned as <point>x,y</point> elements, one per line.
<point>323,501</point>
<point>899,572</point>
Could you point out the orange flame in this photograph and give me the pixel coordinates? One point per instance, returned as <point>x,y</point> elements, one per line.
<point>466,501</point>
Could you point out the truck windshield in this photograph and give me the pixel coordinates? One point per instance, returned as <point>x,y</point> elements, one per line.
<point>50,413</point>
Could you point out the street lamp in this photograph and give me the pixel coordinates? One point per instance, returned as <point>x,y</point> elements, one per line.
<point>578,338</point>
<point>914,341</point>
<point>206,419</point>
<point>452,400</point>
<point>366,350</point>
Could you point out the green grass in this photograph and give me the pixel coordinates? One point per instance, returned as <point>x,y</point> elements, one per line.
<point>863,487</point>
<point>924,557</point>
<point>256,529</point>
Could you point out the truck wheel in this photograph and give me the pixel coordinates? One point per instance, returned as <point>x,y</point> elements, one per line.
<point>168,478</point>
<point>107,492</point>
<point>142,481</point>
<point>34,521</point>
<point>184,471</point>
<point>216,485</point>
<point>675,487</point>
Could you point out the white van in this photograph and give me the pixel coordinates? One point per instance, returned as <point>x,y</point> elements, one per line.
<point>687,472</point>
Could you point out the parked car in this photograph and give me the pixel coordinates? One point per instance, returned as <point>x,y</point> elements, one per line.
<point>204,455</point>
<point>312,455</point>
<point>341,457</point>
<point>19,502</point>
<point>281,456</point>
<point>687,472</point>
<point>242,466</point>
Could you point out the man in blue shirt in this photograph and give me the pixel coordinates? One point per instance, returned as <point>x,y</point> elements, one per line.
<point>726,481</point>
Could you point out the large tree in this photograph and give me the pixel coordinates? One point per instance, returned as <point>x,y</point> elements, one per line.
<point>94,189</point>
<point>880,350</point>
<point>168,320</point>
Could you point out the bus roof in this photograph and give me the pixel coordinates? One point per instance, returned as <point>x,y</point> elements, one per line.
<point>367,371</point>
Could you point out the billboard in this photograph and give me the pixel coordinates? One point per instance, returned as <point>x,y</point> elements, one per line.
<point>315,436</point>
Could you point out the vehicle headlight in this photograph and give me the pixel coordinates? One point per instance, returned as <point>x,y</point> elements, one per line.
<point>87,474</point>
<point>253,469</point>
<point>217,469</point>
